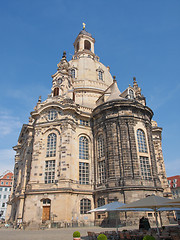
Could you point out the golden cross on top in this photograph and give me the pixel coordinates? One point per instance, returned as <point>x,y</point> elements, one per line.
<point>84,25</point>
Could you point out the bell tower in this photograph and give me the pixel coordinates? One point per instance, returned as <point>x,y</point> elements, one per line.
<point>84,42</point>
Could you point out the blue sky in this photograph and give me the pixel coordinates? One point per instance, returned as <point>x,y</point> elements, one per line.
<point>138,38</point>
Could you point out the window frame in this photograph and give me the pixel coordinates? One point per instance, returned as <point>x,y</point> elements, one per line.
<point>51,145</point>
<point>100,75</point>
<point>49,174</point>
<point>145,168</point>
<point>56,92</point>
<point>83,122</point>
<point>101,171</point>
<point>131,94</point>
<point>52,114</point>
<point>84,173</point>
<point>100,202</point>
<point>84,148</point>
<point>100,146</point>
<point>85,206</point>
<point>141,141</point>
<point>87,45</point>
<point>73,73</point>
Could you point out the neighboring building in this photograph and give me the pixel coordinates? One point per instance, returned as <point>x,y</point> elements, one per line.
<point>5,191</point>
<point>86,145</point>
<point>174,184</point>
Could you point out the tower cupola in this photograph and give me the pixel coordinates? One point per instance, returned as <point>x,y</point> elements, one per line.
<point>84,42</point>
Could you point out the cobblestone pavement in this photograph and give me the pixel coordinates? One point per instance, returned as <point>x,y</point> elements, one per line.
<point>50,234</point>
<point>55,234</point>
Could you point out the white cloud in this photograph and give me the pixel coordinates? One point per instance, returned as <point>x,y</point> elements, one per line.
<point>8,123</point>
<point>172,167</point>
<point>6,160</point>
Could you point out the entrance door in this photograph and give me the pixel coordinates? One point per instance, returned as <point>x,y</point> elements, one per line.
<point>46,213</point>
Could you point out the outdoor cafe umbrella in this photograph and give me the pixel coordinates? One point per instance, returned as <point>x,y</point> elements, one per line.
<point>153,202</point>
<point>114,207</point>
<point>110,207</point>
<point>174,201</point>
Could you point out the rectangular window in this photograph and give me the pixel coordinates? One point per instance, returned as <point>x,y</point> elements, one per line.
<point>85,206</point>
<point>49,171</point>
<point>1,188</point>
<point>100,75</point>
<point>83,173</point>
<point>0,196</point>
<point>2,183</point>
<point>84,122</point>
<point>101,171</point>
<point>3,204</point>
<point>4,196</point>
<point>5,188</point>
<point>145,168</point>
<point>7,183</point>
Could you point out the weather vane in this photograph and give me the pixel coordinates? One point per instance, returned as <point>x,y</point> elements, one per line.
<point>84,25</point>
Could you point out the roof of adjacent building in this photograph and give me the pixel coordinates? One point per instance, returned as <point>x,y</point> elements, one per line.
<point>174,181</point>
<point>6,179</point>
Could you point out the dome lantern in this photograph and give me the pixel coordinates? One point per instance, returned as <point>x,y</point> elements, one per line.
<point>84,42</point>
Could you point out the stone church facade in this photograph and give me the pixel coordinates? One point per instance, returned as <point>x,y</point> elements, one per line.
<point>86,145</point>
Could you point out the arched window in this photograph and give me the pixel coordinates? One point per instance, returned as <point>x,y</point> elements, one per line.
<point>77,47</point>
<point>100,146</point>
<point>100,75</point>
<point>51,145</point>
<point>100,202</point>
<point>56,92</point>
<point>85,206</point>
<point>131,94</point>
<point>141,141</point>
<point>73,73</point>
<point>87,45</point>
<point>83,148</point>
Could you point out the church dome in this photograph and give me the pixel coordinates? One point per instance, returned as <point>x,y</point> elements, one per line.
<point>90,77</point>
<point>91,72</point>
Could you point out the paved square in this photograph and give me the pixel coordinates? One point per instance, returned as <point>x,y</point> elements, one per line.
<point>49,234</point>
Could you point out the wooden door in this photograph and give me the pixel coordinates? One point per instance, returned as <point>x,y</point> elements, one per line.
<point>46,213</point>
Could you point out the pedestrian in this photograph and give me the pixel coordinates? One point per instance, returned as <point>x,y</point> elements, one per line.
<point>141,223</point>
<point>146,224</point>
